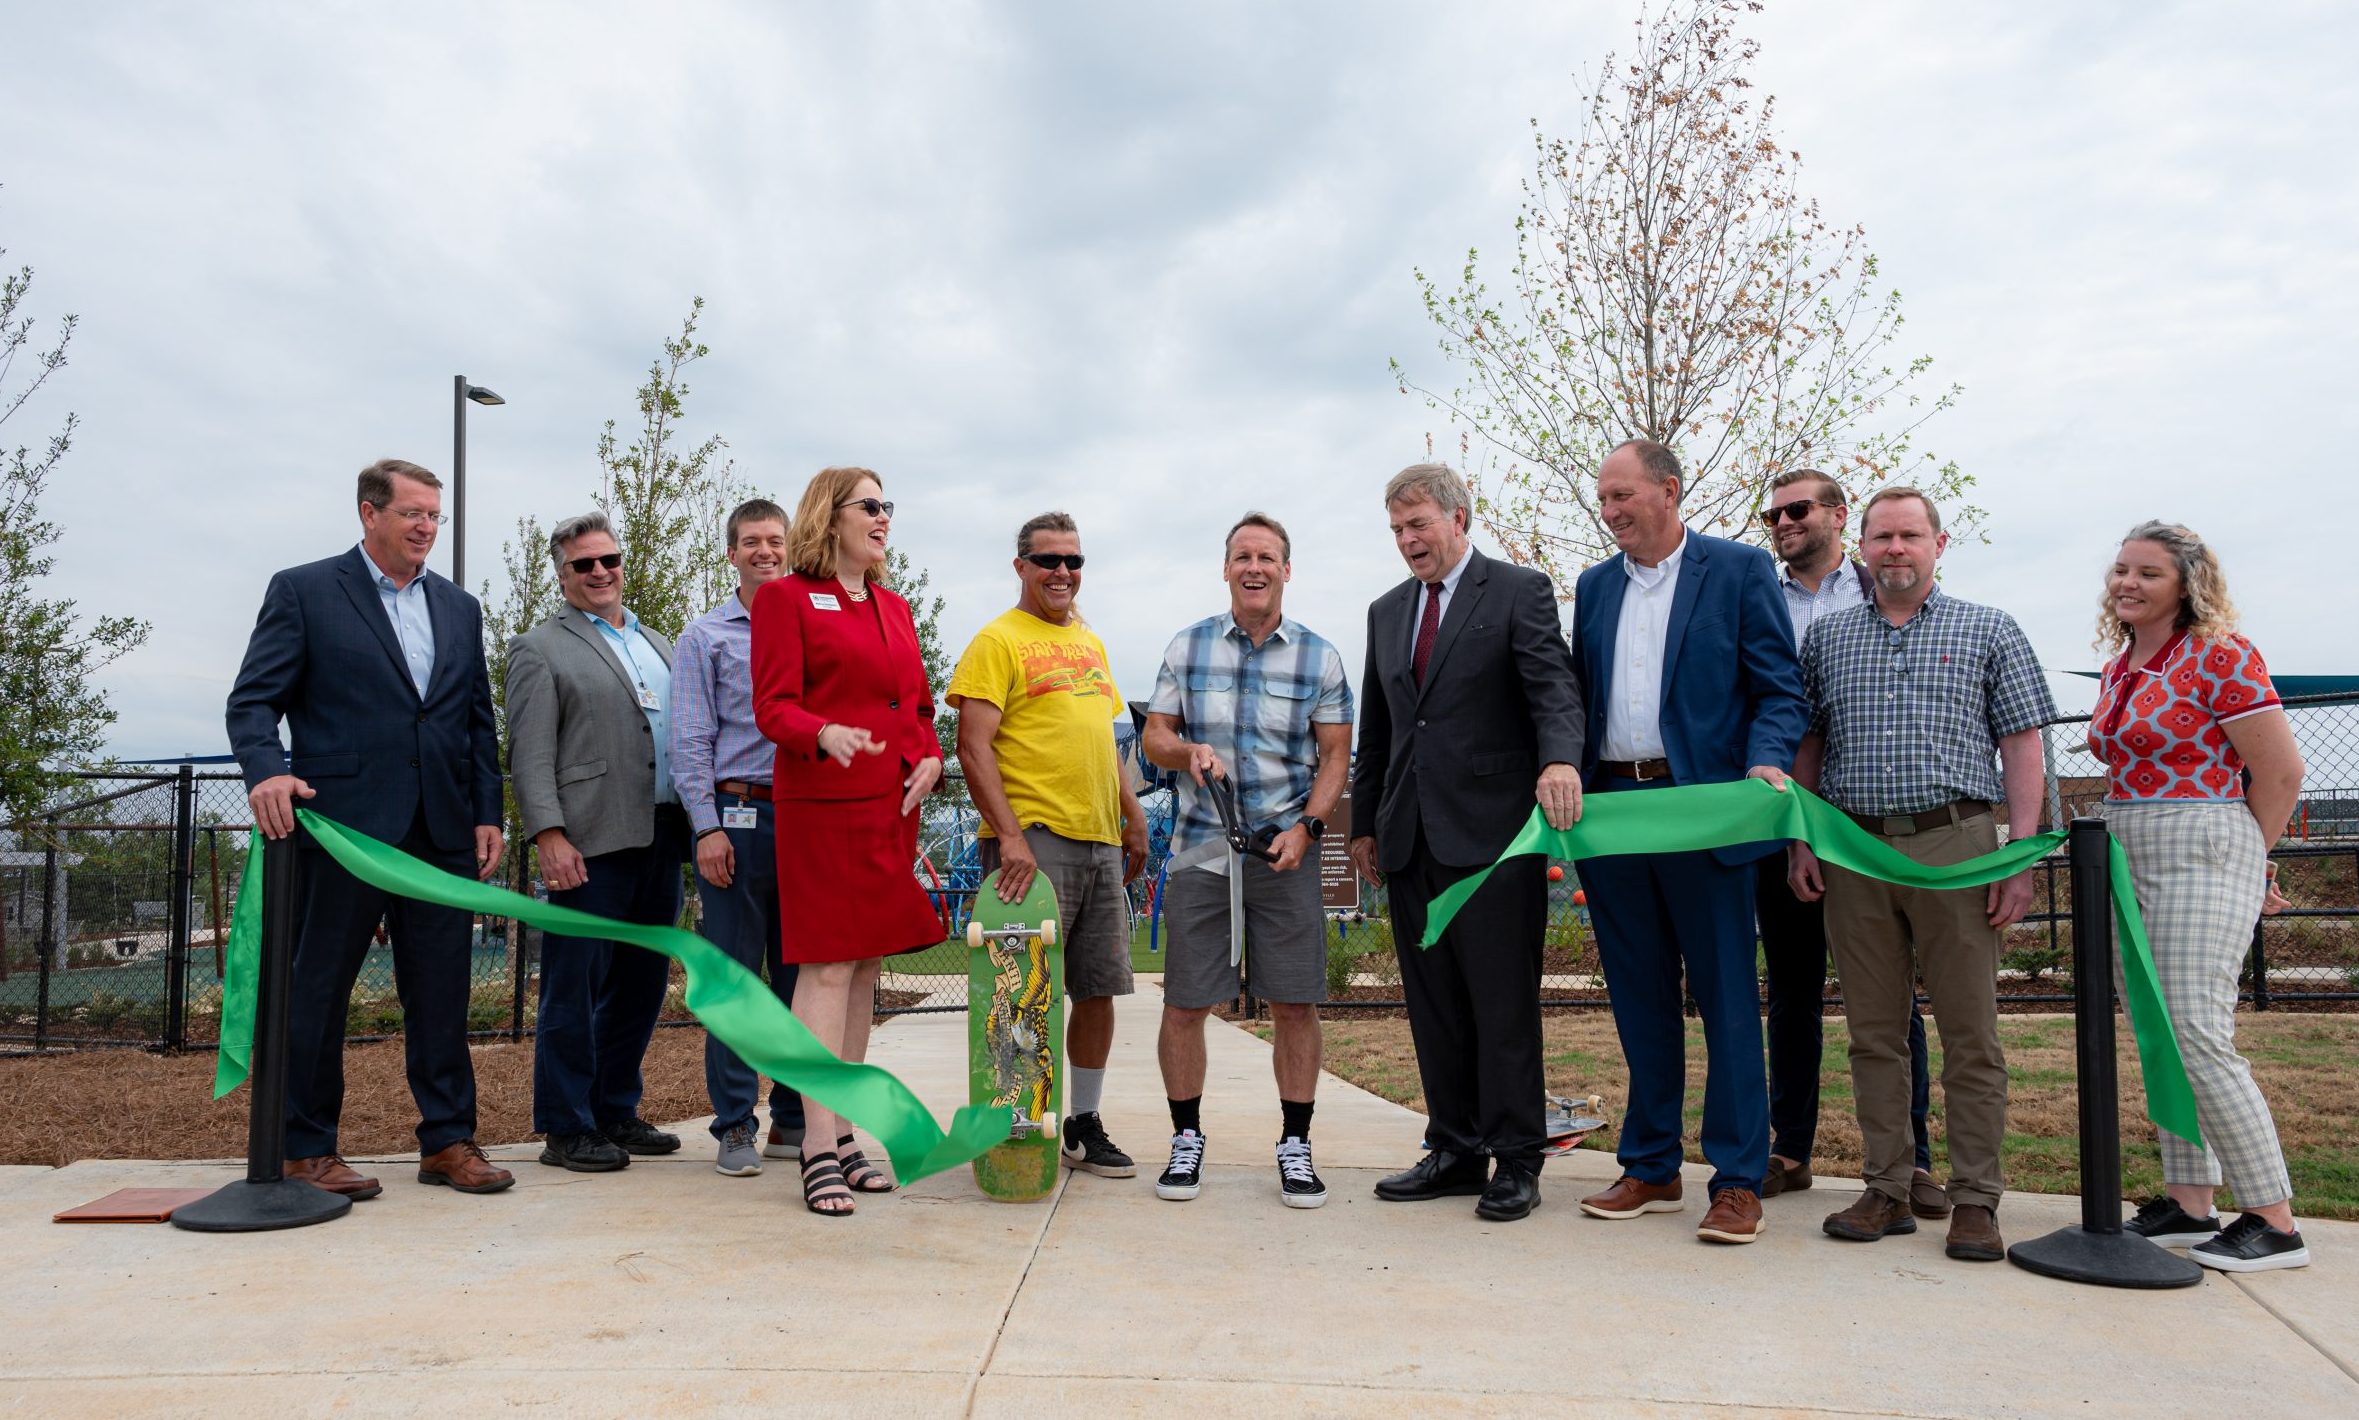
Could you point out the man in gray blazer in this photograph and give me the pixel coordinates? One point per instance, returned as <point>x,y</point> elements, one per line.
<point>588,752</point>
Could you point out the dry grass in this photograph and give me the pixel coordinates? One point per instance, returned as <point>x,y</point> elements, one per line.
<point>2303,1062</point>
<point>127,1104</point>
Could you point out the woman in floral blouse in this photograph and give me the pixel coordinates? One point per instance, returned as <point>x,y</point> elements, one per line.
<point>2185,717</point>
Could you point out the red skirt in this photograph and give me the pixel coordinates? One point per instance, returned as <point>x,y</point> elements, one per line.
<point>847,880</point>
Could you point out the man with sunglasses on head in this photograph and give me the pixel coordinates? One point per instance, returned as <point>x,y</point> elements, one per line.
<point>376,665</point>
<point>1925,714</point>
<point>590,756</point>
<point>1805,519</point>
<point>1036,709</point>
<point>721,766</point>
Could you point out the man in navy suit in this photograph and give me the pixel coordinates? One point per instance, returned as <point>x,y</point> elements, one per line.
<point>1468,715</point>
<point>1687,663</point>
<point>376,665</point>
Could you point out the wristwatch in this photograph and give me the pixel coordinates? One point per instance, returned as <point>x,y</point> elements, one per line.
<point>1315,827</point>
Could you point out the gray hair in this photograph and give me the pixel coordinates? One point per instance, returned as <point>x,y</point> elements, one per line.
<point>1660,463</point>
<point>577,526</point>
<point>1437,483</point>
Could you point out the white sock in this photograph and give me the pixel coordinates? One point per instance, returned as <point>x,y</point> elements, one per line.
<point>1083,1089</point>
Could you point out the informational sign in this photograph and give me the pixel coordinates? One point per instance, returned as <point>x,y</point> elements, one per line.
<point>1339,890</point>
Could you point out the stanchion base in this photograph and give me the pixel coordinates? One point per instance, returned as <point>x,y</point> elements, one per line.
<point>2100,1259</point>
<point>247,1207</point>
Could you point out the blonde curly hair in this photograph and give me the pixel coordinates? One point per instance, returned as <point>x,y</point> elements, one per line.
<point>2204,607</point>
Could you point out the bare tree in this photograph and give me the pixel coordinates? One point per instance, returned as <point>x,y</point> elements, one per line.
<point>1672,282</point>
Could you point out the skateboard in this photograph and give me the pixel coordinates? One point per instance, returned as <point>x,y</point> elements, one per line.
<point>1569,1121</point>
<point>1016,1034</point>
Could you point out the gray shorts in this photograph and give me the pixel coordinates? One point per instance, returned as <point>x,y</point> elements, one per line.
<point>1285,936</point>
<point>1092,909</point>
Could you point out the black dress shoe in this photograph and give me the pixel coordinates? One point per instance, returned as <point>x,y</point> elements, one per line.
<point>637,1136</point>
<point>584,1153</point>
<point>1514,1192</point>
<point>1440,1174</point>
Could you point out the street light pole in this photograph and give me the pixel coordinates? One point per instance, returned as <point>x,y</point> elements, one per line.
<point>461,393</point>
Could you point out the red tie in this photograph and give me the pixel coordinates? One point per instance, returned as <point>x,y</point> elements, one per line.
<point>1427,626</point>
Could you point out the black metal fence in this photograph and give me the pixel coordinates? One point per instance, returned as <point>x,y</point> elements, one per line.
<point>115,906</point>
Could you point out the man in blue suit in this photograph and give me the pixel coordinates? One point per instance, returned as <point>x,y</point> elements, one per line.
<point>1687,666</point>
<point>376,665</point>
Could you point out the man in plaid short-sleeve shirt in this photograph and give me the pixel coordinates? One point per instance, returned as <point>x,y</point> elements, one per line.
<point>1924,713</point>
<point>1263,702</point>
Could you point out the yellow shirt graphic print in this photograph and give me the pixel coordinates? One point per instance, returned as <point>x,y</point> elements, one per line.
<point>1057,702</point>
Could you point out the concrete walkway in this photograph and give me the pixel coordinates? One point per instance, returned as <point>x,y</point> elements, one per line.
<point>668,1287</point>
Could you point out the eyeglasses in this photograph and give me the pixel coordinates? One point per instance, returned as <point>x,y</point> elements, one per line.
<point>413,515</point>
<point>874,507</point>
<point>609,560</point>
<point>1795,511</point>
<point>1051,561</point>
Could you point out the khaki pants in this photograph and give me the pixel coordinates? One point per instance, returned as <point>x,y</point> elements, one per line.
<point>1883,937</point>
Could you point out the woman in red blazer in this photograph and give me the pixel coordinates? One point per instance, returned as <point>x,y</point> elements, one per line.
<point>840,689</point>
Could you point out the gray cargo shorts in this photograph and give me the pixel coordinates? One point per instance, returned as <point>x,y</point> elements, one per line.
<point>1093,911</point>
<point>1285,936</point>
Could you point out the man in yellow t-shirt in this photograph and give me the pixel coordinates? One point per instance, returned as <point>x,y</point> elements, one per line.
<point>1036,706</point>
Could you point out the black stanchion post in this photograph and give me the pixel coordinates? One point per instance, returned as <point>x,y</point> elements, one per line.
<point>266,1198</point>
<point>184,891</point>
<point>2098,1251</point>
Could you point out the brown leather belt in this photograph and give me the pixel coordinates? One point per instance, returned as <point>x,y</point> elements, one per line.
<point>743,790</point>
<point>1640,770</point>
<point>1898,825</point>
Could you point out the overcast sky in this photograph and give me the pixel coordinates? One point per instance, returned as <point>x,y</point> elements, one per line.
<point>1146,266</point>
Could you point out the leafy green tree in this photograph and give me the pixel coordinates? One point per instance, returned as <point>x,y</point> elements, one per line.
<point>53,717</point>
<point>1672,282</point>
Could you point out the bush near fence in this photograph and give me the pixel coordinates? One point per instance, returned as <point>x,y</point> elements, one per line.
<point>131,881</point>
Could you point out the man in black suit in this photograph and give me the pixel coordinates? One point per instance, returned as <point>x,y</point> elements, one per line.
<point>376,665</point>
<point>1470,710</point>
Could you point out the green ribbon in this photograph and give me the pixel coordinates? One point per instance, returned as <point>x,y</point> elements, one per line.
<point>730,1000</point>
<point>1694,817</point>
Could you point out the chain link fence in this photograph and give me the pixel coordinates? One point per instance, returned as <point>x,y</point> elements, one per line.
<point>115,905</point>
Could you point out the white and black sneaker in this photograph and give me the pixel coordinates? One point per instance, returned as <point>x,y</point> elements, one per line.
<point>2163,1222</point>
<point>1087,1148</point>
<point>1183,1177</point>
<point>2250,1245</point>
<point>1298,1182</point>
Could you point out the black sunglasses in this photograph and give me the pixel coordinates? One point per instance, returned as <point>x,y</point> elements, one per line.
<point>874,507</point>
<point>1796,510</point>
<point>1051,561</point>
<point>609,560</point>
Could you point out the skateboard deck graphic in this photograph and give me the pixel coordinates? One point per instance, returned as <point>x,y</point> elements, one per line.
<point>1016,1034</point>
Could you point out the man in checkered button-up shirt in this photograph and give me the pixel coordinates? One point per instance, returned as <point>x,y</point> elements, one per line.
<point>1924,712</point>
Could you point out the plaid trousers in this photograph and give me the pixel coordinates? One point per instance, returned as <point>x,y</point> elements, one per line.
<point>2197,866</point>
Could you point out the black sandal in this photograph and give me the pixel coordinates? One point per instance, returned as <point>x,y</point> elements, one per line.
<point>823,1182</point>
<point>860,1175</point>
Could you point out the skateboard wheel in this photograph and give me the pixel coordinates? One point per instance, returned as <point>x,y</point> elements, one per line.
<point>1048,932</point>
<point>1048,1126</point>
<point>974,934</point>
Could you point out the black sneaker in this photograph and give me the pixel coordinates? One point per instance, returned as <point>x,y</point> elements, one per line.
<point>584,1153</point>
<point>1183,1178</point>
<point>2250,1245</point>
<point>1298,1182</point>
<point>2163,1222</point>
<point>637,1136</point>
<point>1087,1148</point>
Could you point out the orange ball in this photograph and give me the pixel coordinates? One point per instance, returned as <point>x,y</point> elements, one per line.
<point>1580,898</point>
<point>1555,873</point>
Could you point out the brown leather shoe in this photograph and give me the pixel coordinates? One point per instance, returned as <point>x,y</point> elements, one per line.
<point>1784,1176</point>
<point>1927,1199</point>
<point>329,1171</point>
<point>462,1166</point>
<point>1734,1217</point>
<point>1630,1197</point>
<point>1871,1216</point>
<point>1974,1235</point>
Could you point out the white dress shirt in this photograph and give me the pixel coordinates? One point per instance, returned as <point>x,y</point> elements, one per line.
<point>1449,589</point>
<point>1633,713</point>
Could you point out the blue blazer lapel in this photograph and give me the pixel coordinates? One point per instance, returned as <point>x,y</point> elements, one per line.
<point>442,612</point>
<point>360,584</point>
<point>1601,631</point>
<point>1695,565</point>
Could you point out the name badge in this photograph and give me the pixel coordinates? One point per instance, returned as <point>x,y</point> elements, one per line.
<point>738,816</point>
<point>825,601</point>
<point>647,700</point>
